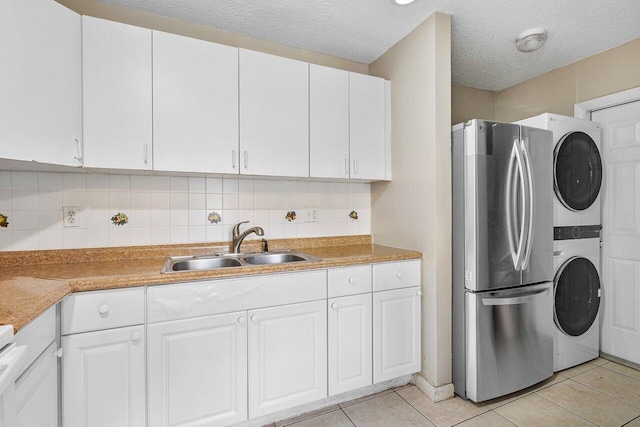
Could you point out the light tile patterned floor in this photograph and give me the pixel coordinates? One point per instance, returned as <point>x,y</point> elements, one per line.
<point>597,393</point>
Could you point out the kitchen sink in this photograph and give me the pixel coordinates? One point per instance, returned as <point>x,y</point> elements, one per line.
<point>278,258</point>
<point>215,262</point>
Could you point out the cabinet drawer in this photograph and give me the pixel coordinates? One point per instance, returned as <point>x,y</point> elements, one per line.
<point>349,281</point>
<point>93,311</point>
<point>395,275</point>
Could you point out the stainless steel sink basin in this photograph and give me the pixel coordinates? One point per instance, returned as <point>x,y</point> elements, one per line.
<point>214,262</point>
<point>204,264</point>
<point>273,259</point>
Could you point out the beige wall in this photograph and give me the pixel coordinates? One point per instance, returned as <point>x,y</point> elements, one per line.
<point>608,72</point>
<point>414,210</point>
<point>470,103</point>
<point>156,22</point>
<point>557,91</point>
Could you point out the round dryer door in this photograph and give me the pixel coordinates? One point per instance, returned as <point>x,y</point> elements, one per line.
<point>576,288</point>
<point>577,171</point>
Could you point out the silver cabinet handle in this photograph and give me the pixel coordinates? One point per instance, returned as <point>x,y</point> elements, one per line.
<point>233,159</point>
<point>246,159</point>
<point>79,150</point>
<point>515,300</point>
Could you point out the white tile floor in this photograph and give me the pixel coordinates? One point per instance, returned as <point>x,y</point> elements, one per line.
<point>597,393</point>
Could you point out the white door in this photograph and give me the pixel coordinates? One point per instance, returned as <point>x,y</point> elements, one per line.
<point>367,126</point>
<point>620,334</point>
<point>274,115</point>
<point>350,343</point>
<point>396,333</point>
<point>103,378</point>
<point>287,356</point>
<point>198,371</point>
<point>116,83</point>
<point>195,105</point>
<point>37,392</point>
<point>40,87</point>
<point>328,122</point>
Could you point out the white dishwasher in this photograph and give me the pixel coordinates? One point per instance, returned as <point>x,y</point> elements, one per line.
<point>12,357</point>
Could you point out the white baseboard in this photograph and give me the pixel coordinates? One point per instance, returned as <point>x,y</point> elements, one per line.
<point>436,394</point>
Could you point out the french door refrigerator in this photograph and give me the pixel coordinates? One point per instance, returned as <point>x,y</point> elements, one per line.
<point>502,258</point>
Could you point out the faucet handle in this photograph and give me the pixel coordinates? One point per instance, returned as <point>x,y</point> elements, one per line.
<point>236,228</point>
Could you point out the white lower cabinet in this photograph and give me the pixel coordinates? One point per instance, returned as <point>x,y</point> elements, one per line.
<point>103,375</point>
<point>37,392</point>
<point>198,371</point>
<point>396,333</point>
<point>287,356</point>
<point>350,343</point>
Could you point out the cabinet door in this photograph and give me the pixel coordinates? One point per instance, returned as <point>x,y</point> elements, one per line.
<point>195,105</point>
<point>116,61</point>
<point>41,90</point>
<point>396,333</point>
<point>367,126</point>
<point>103,378</point>
<point>328,122</point>
<point>198,371</point>
<point>350,348</point>
<point>287,356</point>
<point>37,392</point>
<point>274,115</point>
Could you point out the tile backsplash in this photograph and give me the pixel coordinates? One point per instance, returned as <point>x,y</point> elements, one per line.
<point>123,210</point>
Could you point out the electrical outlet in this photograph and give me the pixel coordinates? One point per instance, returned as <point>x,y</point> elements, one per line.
<point>312,215</point>
<point>71,218</point>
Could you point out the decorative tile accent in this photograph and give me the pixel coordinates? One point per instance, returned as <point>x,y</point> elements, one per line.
<point>120,219</point>
<point>290,216</point>
<point>4,223</point>
<point>214,217</point>
<point>353,215</point>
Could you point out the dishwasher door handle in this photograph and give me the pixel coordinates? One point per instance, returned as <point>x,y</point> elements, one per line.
<point>523,299</point>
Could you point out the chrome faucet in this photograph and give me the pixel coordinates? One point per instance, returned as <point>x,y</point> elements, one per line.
<point>239,237</point>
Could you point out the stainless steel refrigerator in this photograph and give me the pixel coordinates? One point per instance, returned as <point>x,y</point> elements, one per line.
<point>502,258</point>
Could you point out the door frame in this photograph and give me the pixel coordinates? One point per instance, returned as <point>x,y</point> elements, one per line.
<point>584,109</point>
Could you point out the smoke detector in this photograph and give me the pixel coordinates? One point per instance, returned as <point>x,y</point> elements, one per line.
<point>532,39</point>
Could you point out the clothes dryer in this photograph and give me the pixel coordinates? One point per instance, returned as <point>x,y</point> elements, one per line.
<point>577,168</point>
<point>577,291</point>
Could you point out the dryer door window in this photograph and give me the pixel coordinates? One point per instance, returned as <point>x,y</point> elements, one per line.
<point>577,171</point>
<point>577,298</point>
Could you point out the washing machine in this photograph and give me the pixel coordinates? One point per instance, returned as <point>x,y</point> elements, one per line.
<point>577,291</point>
<point>577,168</point>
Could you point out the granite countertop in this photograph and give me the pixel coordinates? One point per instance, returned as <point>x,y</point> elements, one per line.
<point>30,282</point>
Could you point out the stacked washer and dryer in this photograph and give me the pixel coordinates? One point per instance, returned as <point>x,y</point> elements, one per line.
<point>577,170</point>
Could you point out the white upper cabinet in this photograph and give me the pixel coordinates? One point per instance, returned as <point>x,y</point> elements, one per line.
<point>40,83</point>
<point>367,126</point>
<point>274,115</point>
<point>117,95</point>
<point>328,122</point>
<point>195,105</point>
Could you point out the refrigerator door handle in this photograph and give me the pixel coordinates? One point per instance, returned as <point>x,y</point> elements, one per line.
<point>531,196</point>
<point>515,300</point>
<point>517,250</point>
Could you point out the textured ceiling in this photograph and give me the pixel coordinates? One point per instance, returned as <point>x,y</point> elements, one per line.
<point>483,32</point>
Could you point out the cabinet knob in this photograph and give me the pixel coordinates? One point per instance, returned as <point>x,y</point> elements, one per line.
<point>241,319</point>
<point>419,293</point>
<point>352,280</point>
<point>254,318</point>
<point>135,337</point>
<point>334,306</point>
<point>399,275</point>
<point>103,309</point>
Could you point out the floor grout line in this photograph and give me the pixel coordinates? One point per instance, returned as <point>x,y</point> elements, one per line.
<point>348,417</point>
<point>568,409</point>
<point>630,421</point>
<point>606,394</point>
<point>604,367</point>
<point>427,418</point>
